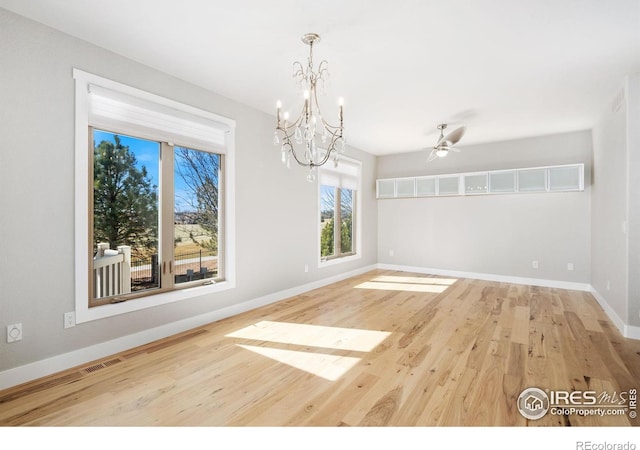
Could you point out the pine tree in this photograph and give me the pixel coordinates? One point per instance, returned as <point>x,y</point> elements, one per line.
<point>125,208</point>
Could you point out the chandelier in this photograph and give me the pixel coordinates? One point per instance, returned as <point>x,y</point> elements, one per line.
<point>315,138</point>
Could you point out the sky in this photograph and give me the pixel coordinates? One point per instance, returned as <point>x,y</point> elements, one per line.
<point>147,154</point>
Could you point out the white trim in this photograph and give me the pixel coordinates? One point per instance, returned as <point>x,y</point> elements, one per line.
<point>613,315</point>
<point>28,372</point>
<point>628,331</point>
<point>85,79</point>
<point>358,220</point>
<point>490,277</point>
<point>340,260</point>
<point>631,332</point>
<point>82,310</point>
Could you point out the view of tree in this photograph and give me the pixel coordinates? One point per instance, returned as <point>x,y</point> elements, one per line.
<point>327,234</point>
<point>125,207</point>
<point>199,171</point>
<point>326,239</point>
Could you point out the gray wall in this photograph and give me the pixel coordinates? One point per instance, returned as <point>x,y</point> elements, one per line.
<point>633,152</point>
<point>491,234</point>
<point>609,274</point>
<point>616,205</point>
<point>276,208</point>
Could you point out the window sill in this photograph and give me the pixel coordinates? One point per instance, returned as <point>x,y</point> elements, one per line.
<point>334,261</point>
<point>86,314</point>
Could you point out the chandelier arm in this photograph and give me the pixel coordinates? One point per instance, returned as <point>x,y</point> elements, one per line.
<point>295,157</point>
<point>322,70</point>
<point>331,128</point>
<point>327,155</point>
<point>293,125</point>
<point>326,124</point>
<point>299,73</point>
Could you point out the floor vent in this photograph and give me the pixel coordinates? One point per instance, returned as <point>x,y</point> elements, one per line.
<point>94,368</point>
<point>111,362</point>
<point>101,365</point>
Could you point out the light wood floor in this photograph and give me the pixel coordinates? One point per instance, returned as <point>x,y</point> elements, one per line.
<point>383,348</point>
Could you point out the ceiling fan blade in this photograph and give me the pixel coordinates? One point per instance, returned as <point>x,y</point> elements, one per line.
<point>432,156</point>
<point>454,149</point>
<point>454,136</point>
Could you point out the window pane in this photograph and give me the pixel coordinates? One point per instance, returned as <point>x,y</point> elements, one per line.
<point>386,188</point>
<point>564,178</point>
<point>196,214</point>
<point>532,180</point>
<point>327,215</point>
<point>406,188</point>
<point>448,185</point>
<point>475,184</point>
<point>426,186</point>
<point>346,217</point>
<point>503,181</point>
<point>125,214</point>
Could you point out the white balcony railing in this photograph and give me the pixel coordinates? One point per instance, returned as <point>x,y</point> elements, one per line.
<point>111,271</point>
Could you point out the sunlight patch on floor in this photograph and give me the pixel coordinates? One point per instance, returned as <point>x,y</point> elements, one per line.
<point>408,284</point>
<point>415,280</point>
<point>329,367</point>
<point>401,287</point>
<point>312,335</point>
<point>323,339</point>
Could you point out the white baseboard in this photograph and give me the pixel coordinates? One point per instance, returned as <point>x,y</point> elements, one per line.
<point>613,316</point>
<point>631,332</point>
<point>28,372</point>
<point>628,331</point>
<point>18,375</point>
<point>490,277</point>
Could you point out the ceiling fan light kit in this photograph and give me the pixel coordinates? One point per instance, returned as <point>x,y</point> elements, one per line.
<point>446,143</point>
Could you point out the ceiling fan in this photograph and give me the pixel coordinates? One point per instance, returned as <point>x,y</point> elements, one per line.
<point>446,143</point>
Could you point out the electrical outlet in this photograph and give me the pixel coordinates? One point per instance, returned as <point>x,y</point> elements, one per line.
<point>570,266</point>
<point>14,332</point>
<point>306,268</point>
<point>69,319</point>
<point>390,252</point>
<point>608,285</point>
<point>534,264</point>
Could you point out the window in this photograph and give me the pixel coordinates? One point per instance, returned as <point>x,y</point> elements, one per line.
<point>338,210</point>
<point>562,178</point>
<point>156,220</point>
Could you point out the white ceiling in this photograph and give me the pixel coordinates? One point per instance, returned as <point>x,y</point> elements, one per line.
<point>506,69</point>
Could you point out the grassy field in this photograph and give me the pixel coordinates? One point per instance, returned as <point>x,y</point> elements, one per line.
<point>189,238</point>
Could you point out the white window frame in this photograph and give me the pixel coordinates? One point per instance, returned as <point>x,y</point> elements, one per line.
<point>358,219</point>
<point>83,312</point>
